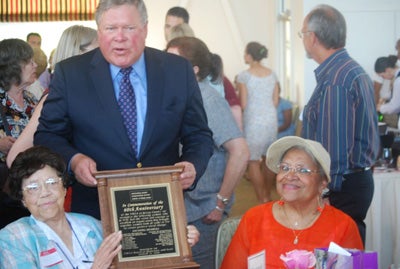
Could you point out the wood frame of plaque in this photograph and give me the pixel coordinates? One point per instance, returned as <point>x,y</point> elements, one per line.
<point>147,205</point>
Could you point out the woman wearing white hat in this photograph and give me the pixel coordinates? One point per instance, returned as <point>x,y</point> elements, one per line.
<point>300,219</point>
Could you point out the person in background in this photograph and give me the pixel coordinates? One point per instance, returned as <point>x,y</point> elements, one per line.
<point>74,40</point>
<point>229,90</point>
<point>340,114</point>
<point>387,68</point>
<point>259,96</point>
<point>300,219</point>
<point>174,16</point>
<point>45,77</point>
<point>209,204</point>
<point>17,71</point>
<point>233,101</point>
<point>34,40</point>
<point>382,87</point>
<point>40,59</point>
<point>285,122</point>
<point>87,121</point>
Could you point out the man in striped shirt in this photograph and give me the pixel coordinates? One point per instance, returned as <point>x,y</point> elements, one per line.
<point>341,113</point>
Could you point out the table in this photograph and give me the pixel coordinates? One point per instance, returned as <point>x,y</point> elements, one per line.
<point>383,219</point>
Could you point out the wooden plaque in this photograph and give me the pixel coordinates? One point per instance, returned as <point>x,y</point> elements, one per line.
<point>146,204</point>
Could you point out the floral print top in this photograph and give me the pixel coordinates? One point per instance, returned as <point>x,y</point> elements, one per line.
<point>17,117</point>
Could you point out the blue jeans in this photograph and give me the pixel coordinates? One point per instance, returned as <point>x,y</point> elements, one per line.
<point>355,197</point>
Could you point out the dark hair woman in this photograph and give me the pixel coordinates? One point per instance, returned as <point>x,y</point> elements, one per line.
<point>17,71</point>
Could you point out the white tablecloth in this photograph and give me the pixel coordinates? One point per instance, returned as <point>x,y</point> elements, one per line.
<point>383,219</point>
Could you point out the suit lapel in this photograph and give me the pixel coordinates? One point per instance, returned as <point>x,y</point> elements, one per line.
<point>155,95</point>
<point>104,89</point>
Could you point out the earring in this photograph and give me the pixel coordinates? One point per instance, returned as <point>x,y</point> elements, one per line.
<point>281,202</point>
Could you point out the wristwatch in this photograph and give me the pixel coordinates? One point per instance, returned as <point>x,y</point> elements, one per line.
<point>224,200</point>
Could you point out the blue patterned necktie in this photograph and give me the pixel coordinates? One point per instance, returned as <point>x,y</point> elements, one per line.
<point>127,105</point>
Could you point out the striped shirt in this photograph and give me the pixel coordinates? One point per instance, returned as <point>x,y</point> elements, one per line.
<point>341,115</point>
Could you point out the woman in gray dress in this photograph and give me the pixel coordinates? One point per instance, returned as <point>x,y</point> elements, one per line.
<point>259,97</point>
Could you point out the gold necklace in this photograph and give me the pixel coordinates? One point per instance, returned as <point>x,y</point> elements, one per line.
<point>296,236</point>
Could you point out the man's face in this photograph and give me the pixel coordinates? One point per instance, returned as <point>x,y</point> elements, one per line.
<point>171,21</point>
<point>35,41</point>
<point>122,35</point>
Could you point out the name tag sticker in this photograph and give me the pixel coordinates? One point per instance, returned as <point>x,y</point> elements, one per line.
<point>50,257</point>
<point>256,261</point>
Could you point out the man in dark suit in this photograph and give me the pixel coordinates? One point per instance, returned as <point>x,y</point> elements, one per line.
<point>81,118</point>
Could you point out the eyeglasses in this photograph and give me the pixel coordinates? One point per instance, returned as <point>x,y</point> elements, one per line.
<point>285,169</point>
<point>35,188</point>
<point>302,34</point>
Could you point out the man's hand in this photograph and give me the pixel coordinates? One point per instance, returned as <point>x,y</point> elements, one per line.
<point>188,175</point>
<point>84,168</point>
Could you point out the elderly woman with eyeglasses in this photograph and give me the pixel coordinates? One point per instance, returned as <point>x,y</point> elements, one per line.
<point>300,219</point>
<point>51,238</point>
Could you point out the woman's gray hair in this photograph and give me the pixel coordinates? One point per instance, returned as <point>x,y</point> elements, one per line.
<point>329,26</point>
<point>309,153</point>
<point>105,5</point>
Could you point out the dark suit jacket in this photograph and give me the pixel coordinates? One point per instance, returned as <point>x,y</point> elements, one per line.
<point>81,115</point>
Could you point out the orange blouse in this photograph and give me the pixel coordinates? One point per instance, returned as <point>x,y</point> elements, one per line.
<point>258,230</point>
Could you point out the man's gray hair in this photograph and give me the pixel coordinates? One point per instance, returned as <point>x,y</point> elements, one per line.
<point>329,26</point>
<point>105,5</point>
